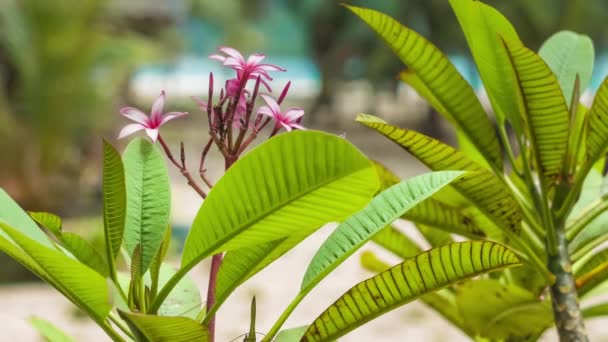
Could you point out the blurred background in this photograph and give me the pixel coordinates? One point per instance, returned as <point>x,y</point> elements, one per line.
<point>67,66</point>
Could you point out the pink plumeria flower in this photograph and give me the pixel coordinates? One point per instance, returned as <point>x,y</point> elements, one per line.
<point>250,68</point>
<point>151,123</point>
<point>289,120</point>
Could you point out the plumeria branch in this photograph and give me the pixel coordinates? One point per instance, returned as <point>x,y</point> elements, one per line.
<point>201,170</point>
<point>182,167</point>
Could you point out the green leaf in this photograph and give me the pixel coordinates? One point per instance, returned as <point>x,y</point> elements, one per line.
<point>440,79</point>
<point>166,329</point>
<point>291,334</point>
<point>76,245</point>
<point>396,242</point>
<point>484,190</point>
<point>184,300</point>
<point>434,236</point>
<point>569,54</point>
<point>433,212</point>
<point>425,273</point>
<point>13,215</point>
<point>362,226</point>
<point>241,264</point>
<point>597,125</point>
<point>49,331</point>
<point>590,192</point>
<point>482,26</point>
<point>80,284</point>
<point>148,200</point>
<point>592,273</point>
<point>293,182</point>
<point>114,203</point>
<point>85,252</point>
<point>545,109</point>
<point>49,221</point>
<point>158,260</point>
<point>502,312</point>
<point>599,310</point>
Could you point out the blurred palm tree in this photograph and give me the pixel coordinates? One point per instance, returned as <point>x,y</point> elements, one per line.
<point>63,65</point>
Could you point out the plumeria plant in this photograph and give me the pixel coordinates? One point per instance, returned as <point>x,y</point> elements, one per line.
<point>528,198</point>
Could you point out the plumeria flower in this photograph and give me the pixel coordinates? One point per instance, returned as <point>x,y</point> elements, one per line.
<point>250,68</point>
<point>290,119</point>
<point>151,123</point>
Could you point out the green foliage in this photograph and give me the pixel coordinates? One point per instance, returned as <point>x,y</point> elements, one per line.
<point>48,331</point>
<point>441,79</point>
<point>148,200</point>
<point>312,188</point>
<point>114,203</point>
<point>545,200</point>
<point>162,328</point>
<point>429,271</point>
<point>569,54</point>
<point>83,286</point>
<point>507,311</point>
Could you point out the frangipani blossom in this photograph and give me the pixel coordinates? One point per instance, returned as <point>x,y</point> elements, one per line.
<point>248,69</point>
<point>151,123</point>
<point>289,119</point>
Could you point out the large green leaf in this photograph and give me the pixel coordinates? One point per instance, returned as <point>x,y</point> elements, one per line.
<point>482,26</point>
<point>425,273</point>
<point>441,301</point>
<point>544,107</point>
<point>49,331</point>
<point>441,79</point>
<point>166,329</point>
<point>13,215</point>
<point>148,201</point>
<point>356,230</point>
<point>484,189</point>
<point>294,182</point>
<point>385,208</point>
<point>569,54</point>
<point>84,251</point>
<point>73,243</point>
<point>433,212</point>
<point>114,203</point>
<point>597,127</point>
<point>502,312</point>
<point>80,284</point>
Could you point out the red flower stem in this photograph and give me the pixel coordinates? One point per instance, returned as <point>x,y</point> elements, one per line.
<point>202,171</point>
<point>233,107</point>
<point>253,135</point>
<point>182,168</point>
<point>216,262</point>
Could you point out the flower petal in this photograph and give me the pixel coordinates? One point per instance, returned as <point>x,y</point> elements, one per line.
<point>129,129</point>
<point>218,57</point>
<point>157,110</point>
<point>200,102</point>
<point>135,115</point>
<point>172,115</point>
<point>270,67</point>
<point>232,53</point>
<point>255,59</point>
<point>293,114</point>
<point>298,126</point>
<point>272,104</point>
<point>234,63</point>
<point>152,133</point>
<point>265,110</point>
<point>287,127</point>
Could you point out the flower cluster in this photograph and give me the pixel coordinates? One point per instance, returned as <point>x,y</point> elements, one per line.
<point>234,109</point>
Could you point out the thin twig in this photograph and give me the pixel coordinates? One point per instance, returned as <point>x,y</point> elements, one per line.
<point>202,171</point>
<point>182,168</point>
